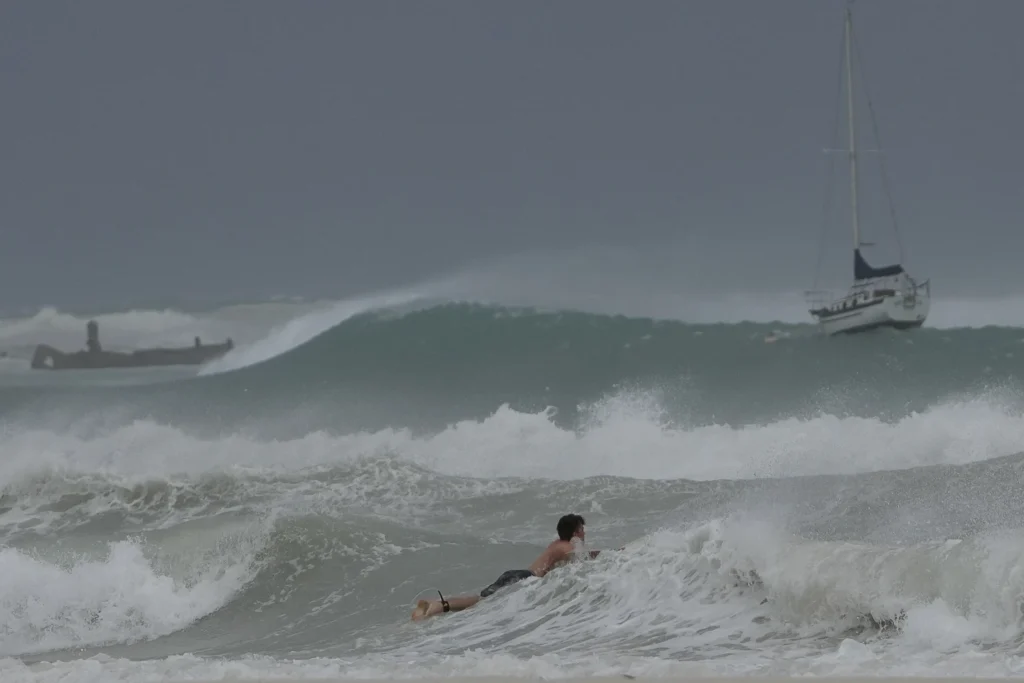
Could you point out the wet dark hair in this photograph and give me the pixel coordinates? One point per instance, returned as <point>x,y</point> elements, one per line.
<point>568,525</point>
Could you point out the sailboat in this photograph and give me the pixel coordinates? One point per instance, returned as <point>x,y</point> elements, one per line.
<point>885,296</point>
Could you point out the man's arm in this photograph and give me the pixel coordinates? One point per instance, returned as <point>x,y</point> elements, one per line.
<point>595,553</point>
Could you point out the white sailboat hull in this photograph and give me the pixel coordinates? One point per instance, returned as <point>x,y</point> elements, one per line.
<point>871,306</point>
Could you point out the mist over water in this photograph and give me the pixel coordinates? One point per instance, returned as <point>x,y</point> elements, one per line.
<point>788,503</point>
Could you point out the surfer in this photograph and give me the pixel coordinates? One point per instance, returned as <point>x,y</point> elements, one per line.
<point>557,553</point>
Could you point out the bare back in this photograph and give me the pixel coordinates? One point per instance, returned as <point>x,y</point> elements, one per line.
<point>557,553</point>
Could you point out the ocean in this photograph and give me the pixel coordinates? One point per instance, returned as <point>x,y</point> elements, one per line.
<point>788,504</point>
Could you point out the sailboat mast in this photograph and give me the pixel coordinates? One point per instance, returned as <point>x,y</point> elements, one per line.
<point>853,136</point>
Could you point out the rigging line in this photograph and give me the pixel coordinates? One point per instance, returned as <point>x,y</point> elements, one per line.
<point>827,203</point>
<point>878,138</point>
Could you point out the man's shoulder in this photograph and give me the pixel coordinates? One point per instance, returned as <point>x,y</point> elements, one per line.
<point>560,547</point>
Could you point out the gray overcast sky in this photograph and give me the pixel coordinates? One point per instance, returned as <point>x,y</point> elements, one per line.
<point>248,148</point>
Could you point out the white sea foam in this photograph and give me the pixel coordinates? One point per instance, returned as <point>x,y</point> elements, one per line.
<point>677,595</point>
<point>115,596</point>
<point>625,436</point>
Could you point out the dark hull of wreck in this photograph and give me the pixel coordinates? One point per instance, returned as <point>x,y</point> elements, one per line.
<point>48,358</point>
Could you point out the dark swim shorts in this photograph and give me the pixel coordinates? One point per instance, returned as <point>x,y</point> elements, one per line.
<point>506,579</point>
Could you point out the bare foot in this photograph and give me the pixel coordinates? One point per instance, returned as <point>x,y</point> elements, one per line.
<point>420,612</point>
<point>424,609</point>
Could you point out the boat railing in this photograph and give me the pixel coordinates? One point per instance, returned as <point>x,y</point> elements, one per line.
<point>908,287</point>
<point>820,298</point>
<point>912,289</point>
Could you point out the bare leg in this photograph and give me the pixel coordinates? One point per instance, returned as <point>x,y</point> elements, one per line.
<point>431,608</point>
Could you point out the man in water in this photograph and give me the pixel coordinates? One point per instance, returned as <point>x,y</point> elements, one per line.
<point>556,554</point>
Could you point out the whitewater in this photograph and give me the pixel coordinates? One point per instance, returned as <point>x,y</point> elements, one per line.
<point>788,504</point>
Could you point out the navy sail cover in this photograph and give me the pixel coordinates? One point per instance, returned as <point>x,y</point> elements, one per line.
<point>862,270</point>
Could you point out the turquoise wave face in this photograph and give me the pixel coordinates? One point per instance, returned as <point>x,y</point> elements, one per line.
<point>426,368</point>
